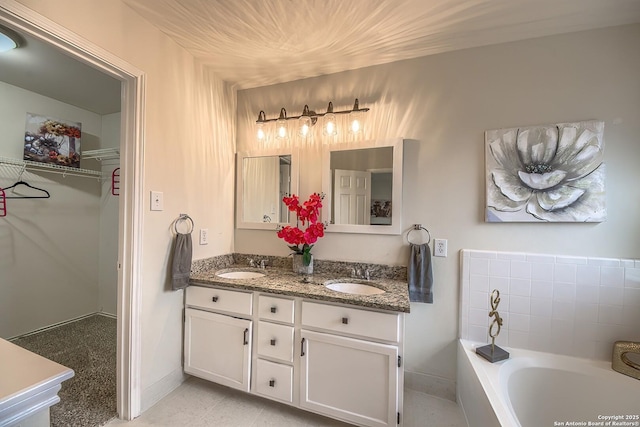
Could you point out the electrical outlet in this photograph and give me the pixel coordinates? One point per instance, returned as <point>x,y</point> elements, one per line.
<point>157,201</point>
<point>440,248</point>
<point>204,236</point>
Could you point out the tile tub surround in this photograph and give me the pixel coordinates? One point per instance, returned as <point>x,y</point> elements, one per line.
<point>280,279</point>
<point>560,304</point>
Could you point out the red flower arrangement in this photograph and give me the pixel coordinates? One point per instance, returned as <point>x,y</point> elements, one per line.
<point>308,212</point>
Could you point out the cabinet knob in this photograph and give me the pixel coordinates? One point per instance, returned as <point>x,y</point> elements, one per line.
<point>274,309</point>
<point>272,383</point>
<point>273,341</point>
<point>345,320</point>
<point>214,299</point>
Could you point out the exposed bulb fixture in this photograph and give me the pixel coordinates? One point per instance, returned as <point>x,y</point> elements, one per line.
<point>356,119</point>
<point>260,133</point>
<point>330,128</point>
<point>281,125</point>
<point>308,119</point>
<point>305,122</point>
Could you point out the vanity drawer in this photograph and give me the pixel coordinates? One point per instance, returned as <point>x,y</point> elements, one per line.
<point>275,341</point>
<point>365,323</point>
<point>276,309</point>
<point>274,380</point>
<point>219,299</point>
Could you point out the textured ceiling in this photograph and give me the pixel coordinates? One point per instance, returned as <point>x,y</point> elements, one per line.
<point>262,42</point>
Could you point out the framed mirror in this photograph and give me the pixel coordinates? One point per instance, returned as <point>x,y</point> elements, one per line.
<point>363,187</point>
<point>262,179</point>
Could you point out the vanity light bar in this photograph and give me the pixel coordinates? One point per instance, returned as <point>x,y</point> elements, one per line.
<point>307,119</point>
<point>306,112</point>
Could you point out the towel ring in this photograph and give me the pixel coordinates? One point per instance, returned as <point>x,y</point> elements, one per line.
<point>180,219</point>
<point>417,227</point>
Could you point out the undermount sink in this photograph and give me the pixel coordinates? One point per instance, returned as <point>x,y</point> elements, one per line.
<point>354,288</point>
<point>240,275</point>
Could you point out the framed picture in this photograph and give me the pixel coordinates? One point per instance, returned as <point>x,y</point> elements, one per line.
<point>381,212</point>
<point>549,173</point>
<point>54,141</point>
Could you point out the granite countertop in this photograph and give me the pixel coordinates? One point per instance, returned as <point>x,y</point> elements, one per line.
<point>285,282</point>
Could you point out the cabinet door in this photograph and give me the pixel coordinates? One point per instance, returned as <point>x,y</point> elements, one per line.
<point>351,379</point>
<point>217,348</point>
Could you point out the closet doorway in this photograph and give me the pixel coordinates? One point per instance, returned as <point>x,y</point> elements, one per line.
<point>29,24</point>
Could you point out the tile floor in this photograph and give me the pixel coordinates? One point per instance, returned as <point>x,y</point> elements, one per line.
<point>199,403</point>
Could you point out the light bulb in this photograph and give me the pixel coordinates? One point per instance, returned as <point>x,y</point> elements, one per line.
<point>355,126</point>
<point>330,121</point>
<point>282,130</point>
<point>330,127</point>
<point>260,133</point>
<point>281,125</point>
<point>356,116</point>
<point>305,126</point>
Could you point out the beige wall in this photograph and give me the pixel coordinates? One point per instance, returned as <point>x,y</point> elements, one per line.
<point>188,155</point>
<point>442,105</point>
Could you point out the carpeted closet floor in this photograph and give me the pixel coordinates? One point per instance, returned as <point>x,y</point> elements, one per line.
<point>88,346</point>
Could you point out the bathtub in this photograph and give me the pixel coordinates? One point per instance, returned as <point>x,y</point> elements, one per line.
<point>534,389</point>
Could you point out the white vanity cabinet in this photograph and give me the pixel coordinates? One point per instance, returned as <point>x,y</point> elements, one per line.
<point>217,345</point>
<point>333,359</point>
<point>350,364</point>
<point>274,348</point>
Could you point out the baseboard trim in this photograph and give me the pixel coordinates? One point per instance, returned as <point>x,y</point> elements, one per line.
<point>154,393</point>
<point>430,384</point>
<point>56,325</point>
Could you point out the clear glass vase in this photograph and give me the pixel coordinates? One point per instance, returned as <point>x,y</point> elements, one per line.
<point>299,267</point>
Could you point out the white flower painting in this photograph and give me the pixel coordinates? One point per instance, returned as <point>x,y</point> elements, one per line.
<point>551,173</point>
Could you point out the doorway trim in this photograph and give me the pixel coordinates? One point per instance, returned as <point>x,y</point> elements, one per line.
<point>129,347</point>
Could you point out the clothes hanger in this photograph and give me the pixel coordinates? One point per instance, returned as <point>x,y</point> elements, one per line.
<point>46,194</point>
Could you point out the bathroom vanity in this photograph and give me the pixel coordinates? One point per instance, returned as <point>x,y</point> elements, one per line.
<point>291,339</point>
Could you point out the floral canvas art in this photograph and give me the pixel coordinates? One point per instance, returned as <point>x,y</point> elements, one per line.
<point>49,140</point>
<point>550,173</point>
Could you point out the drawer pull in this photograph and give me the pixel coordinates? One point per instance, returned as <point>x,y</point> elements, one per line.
<point>274,309</point>
<point>273,341</point>
<point>246,332</point>
<point>302,347</point>
<point>214,299</point>
<point>272,383</point>
<point>345,320</point>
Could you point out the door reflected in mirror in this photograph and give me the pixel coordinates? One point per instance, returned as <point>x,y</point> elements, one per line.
<point>263,180</point>
<point>364,184</point>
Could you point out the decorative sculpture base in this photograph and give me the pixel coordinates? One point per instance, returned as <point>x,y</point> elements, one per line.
<point>492,353</point>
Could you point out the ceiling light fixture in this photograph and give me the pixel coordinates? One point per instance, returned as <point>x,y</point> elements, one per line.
<point>8,39</point>
<point>308,119</point>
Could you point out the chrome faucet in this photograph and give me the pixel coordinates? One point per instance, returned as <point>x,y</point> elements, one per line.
<point>252,263</point>
<point>262,264</point>
<point>359,274</point>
